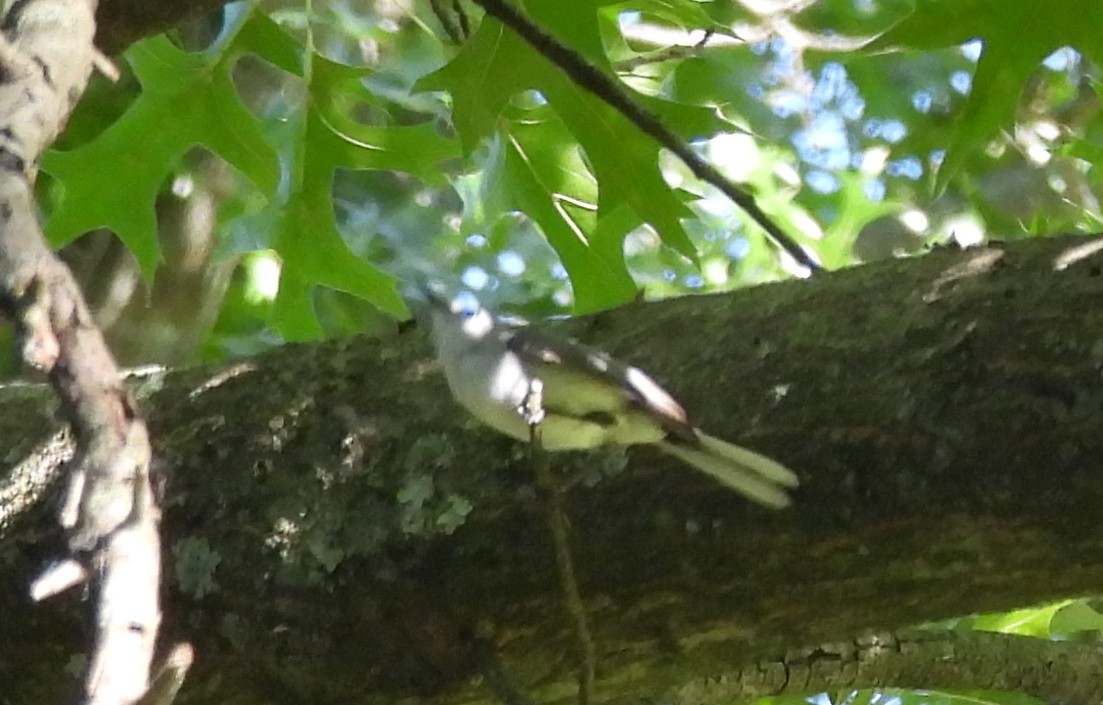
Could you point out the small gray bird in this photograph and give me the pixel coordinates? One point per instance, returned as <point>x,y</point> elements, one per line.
<point>588,399</point>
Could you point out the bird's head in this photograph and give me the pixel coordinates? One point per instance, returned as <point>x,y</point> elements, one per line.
<point>456,321</point>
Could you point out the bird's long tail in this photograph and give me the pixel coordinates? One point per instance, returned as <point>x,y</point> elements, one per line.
<point>757,477</point>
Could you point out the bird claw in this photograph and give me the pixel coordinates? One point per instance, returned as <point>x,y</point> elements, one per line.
<point>532,407</point>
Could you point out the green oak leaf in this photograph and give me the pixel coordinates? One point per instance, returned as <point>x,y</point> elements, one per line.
<point>537,168</point>
<point>1017,35</point>
<point>496,64</point>
<point>112,181</point>
<point>327,138</point>
<point>308,240</point>
<point>262,36</point>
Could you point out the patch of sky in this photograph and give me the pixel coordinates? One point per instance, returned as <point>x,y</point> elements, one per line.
<point>511,264</point>
<point>922,101</point>
<point>891,131</point>
<point>738,248</point>
<point>874,189</point>
<point>475,278</point>
<point>824,142</point>
<point>1062,60</point>
<point>821,181</point>
<point>830,85</point>
<point>787,103</point>
<point>908,167</point>
<point>467,301</point>
<point>960,81</point>
<point>971,50</point>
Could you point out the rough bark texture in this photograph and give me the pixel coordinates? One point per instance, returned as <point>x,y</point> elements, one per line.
<point>342,532</point>
<point>46,57</point>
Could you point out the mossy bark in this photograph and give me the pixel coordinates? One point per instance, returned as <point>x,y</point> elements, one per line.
<point>343,531</point>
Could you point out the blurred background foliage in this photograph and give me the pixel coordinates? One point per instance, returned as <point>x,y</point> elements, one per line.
<point>280,171</point>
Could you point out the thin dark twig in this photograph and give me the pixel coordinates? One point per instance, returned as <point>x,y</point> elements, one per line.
<point>669,54</point>
<point>497,678</point>
<point>556,515</point>
<point>462,18</point>
<point>446,21</point>
<point>607,89</point>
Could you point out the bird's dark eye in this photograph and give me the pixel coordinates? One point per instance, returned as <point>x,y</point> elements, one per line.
<point>467,313</point>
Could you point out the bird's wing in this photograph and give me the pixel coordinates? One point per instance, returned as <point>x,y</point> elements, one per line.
<point>597,381</point>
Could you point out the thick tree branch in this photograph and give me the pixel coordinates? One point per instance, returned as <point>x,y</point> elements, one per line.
<point>343,530</point>
<point>46,56</point>
<point>918,660</point>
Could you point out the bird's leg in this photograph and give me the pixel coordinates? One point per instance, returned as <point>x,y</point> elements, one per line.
<point>532,409</point>
<point>496,677</point>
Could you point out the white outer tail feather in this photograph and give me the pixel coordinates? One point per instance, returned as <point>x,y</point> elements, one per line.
<point>756,476</point>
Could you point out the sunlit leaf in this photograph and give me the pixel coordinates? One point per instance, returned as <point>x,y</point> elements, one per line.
<point>113,180</point>
<point>495,65</point>
<point>1016,34</point>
